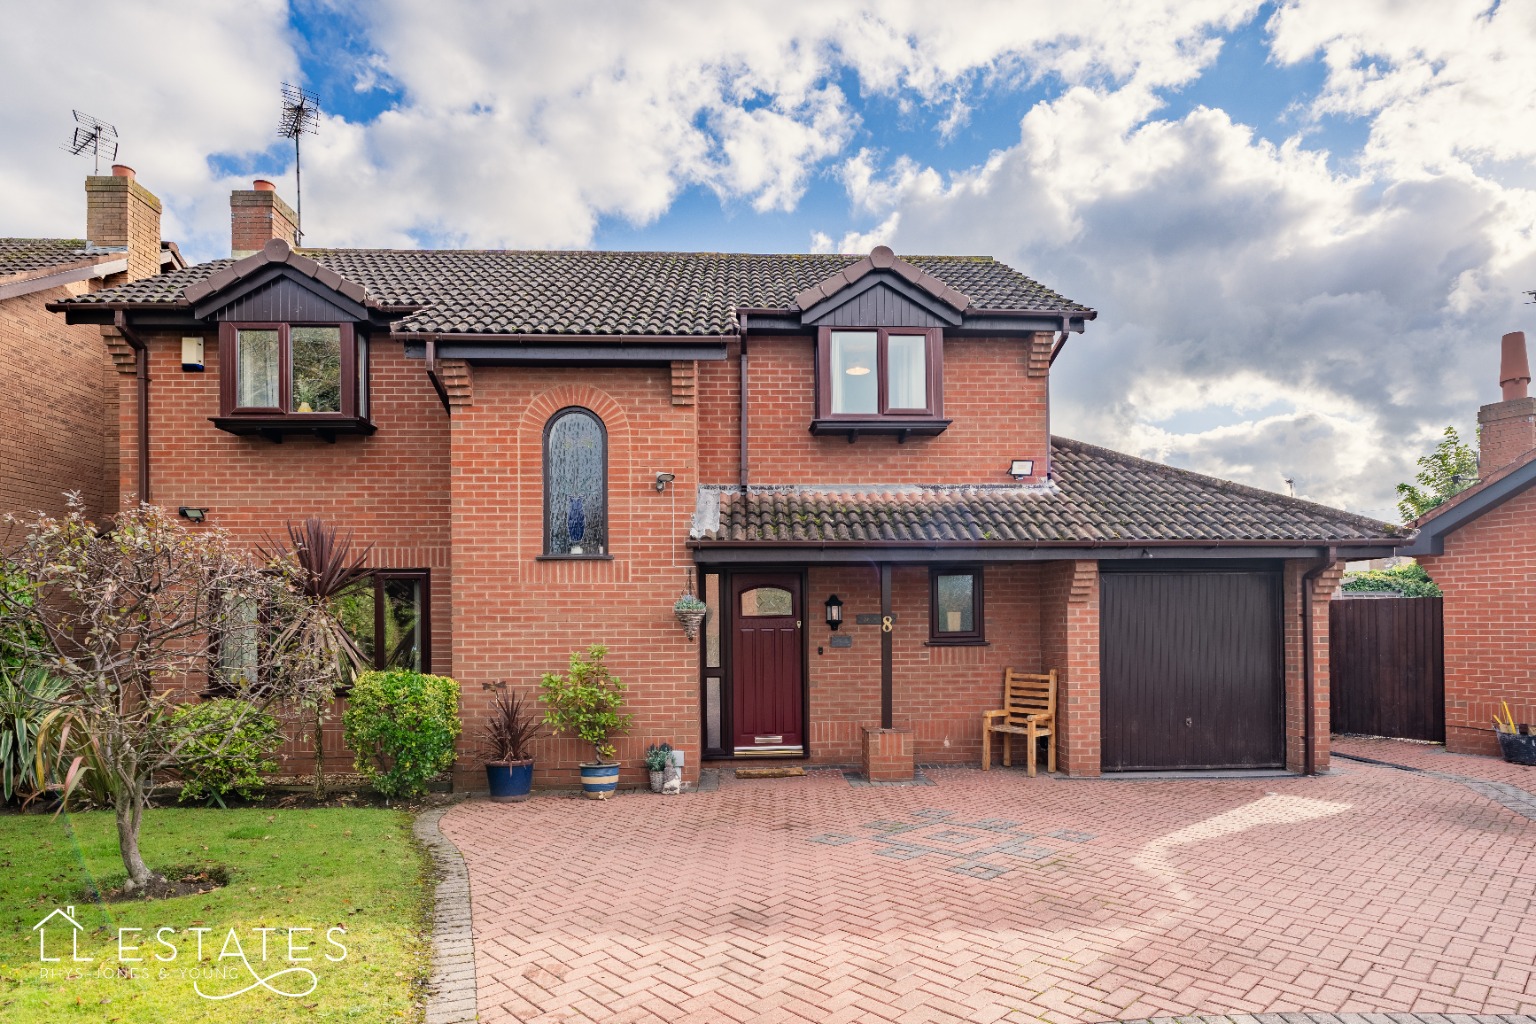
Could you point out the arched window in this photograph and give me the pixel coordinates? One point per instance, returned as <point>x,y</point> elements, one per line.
<point>575,484</point>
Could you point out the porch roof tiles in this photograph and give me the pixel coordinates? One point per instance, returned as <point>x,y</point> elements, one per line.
<point>597,293</point>
<point>1095,495</point>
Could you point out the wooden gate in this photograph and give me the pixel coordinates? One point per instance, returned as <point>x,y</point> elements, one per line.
<point>1190,670</point>
<point>1387,667</point>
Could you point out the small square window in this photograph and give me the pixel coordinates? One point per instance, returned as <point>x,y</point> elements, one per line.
<point>956,605</point>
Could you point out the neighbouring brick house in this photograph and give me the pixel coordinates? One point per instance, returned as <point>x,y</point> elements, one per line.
<point>544,447</point>
<point>60,385</point>
<point>1480,547</point>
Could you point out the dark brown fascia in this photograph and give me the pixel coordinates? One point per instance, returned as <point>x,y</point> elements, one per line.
<point>545,339</point>
<point>1392,543</point>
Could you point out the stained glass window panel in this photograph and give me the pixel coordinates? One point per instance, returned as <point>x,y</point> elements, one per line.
<point>575,472</point>
<point>767,601</point>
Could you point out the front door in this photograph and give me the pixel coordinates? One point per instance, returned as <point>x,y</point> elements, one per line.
<point>767,669</point>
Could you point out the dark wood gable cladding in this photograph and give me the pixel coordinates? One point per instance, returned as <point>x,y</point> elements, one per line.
<point>280,294</point>
<point>881,299</point>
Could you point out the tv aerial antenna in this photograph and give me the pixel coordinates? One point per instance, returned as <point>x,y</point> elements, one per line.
<point>301,116</point>
<point>94,137</point>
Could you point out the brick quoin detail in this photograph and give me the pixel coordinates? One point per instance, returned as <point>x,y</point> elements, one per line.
<point>1486,574</point>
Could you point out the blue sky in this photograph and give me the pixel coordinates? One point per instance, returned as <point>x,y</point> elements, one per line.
<point>1305,224</point>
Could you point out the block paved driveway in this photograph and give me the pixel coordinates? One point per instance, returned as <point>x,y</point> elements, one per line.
<point>993,897</point>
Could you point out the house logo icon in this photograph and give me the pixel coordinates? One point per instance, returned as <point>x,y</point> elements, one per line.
<point>68,914</point>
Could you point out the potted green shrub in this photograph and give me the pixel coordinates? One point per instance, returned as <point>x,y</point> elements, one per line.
<point>658,758</point>
<point>508,736</point>
<point>587,703</point>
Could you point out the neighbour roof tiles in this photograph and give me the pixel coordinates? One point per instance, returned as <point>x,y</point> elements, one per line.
<point>1098,495</point>
<point>599,293</point>
<point>21,255</point>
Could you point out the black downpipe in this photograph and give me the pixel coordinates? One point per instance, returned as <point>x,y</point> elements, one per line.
<point>141,375</point>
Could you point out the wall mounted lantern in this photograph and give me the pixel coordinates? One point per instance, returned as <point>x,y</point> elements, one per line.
<point>834,612</point>
<point>1021,468</point>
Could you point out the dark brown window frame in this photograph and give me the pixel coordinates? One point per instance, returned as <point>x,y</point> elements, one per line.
<point>229,369</point>
<point>545,554</point>
<point>976,637</point>
<point>376,578</point>
<point>935,374</point>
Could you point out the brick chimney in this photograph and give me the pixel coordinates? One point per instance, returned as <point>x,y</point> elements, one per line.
<point>121,212</point>
<point>256,216</point>
<point>1509,425</point>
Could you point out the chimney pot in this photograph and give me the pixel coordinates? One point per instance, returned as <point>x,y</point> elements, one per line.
<point>1514,366</point>
<point>263,185</point>
<point>122,171</point>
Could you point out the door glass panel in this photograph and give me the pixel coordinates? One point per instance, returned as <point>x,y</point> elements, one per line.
<point>906,361</point>
<point>767,601</point>
<point>402,624</point>
<point>957,605</point>
<point>316,369</point>
<point>855,387</point>
<point>712,714</point>
<point>712,620</point>
<point>256,378</point>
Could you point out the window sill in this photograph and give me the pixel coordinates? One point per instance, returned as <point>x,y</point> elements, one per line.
<point>573,558</point>
<point>275,428</point>
<point>903,428</point>
<point>967,642</point>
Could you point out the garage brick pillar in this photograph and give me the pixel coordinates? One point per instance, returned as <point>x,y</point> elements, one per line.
<point>1296,712</point>
<point>1070,645</point>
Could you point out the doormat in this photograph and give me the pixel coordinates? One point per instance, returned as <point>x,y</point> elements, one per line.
<point>788,771</point>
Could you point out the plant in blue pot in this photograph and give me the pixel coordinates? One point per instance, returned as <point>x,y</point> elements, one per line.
<point>587,702</point>
<point>509,735</point>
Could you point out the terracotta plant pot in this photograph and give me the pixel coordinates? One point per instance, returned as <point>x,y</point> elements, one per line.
<point>599,781</point>
<point>510,781</point>
<point>1518,749</point>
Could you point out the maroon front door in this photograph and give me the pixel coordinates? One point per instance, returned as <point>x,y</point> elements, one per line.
<point>767,691</point>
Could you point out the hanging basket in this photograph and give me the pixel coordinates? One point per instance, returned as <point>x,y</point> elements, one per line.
<point>690,618</point>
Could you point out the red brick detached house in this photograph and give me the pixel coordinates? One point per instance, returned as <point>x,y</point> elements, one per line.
<point>543,447</point>
<point>1480,547</point>
<point>59,381</point>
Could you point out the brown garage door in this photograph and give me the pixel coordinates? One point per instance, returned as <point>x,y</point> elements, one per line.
<point>1191,670</point>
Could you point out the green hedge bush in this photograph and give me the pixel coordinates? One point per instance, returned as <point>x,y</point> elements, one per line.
<point>230,752</point>
<point>402,726</point>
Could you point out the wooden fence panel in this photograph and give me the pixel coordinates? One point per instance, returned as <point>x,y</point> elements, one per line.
<point>1387,667</point>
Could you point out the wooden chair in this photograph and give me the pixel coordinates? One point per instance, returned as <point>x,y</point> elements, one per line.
<point>1029,711</point>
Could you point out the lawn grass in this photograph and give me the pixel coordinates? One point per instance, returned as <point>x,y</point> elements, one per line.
<point>315,868</point>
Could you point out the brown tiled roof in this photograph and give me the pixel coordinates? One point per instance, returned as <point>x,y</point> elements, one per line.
<point>20,255</point>
<point>595,293</point>
<point>1096,495</point>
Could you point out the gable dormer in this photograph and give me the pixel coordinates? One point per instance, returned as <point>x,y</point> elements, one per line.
<point>293,345</point>
<point>880,347</point>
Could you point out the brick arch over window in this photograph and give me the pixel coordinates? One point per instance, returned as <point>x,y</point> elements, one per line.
<point>537,415</point>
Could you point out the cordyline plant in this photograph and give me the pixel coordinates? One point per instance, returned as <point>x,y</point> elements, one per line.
<point>128,620</point>
<point>320,565</point>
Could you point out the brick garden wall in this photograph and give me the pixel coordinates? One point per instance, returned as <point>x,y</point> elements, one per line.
<point>1488,574</point>
<point>61,409</point>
